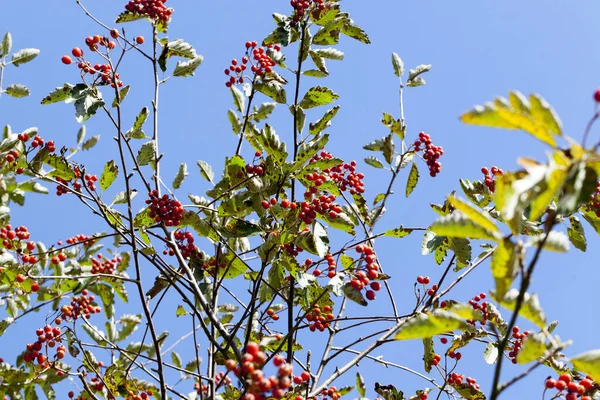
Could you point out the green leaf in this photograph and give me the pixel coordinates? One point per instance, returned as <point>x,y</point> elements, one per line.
<point>315,241</point>
<point>4,324</point>
<point>418,70</point>
<point>109,175</point>
<point>318,96</point>
<point>490,355</point>
<point>87,105</point>
<point>319,63</point>
<point>324,122</point>
<point>330,33</point>
<point>373,162</point>
<point>81,134</point>
<point>395,125</point>
<point>428,353</point>
<point>33,187</point>
<point>146,154</point>
<point>263,111</point>
<point>360,385</point>
<point>536,119</point>
<point>91,142</point>
<point>269,140</point>
<point>577,234</point>
<point>388,148</point>
<point>239,99</point>
<point>60,165</point>
<point>58,94</point>
<point>330,53</point>
<point>178,48</point>
<point>180,311</point>
<point>272,89</point>
<point>176,359</point>
<point>17,90</point>
<point>429,325</point>
<point>128,16</point>
<point>300,117</point>
<point>24,56</point>
<point>6,45</point>
<point>122,198</point>
<point>557,242</point>
<point>473,214</point>
<point>398,232</point>
<point>413,179</point>
<point>530,309</point>
<point>534,346</point>
<point>504,265</point>
<point>136,130</point>
<point>181,175</point>
<point>458,225</point>
<point>398,65</point>
<point>588,363</point>
<point>187,68</point>
<point>206,171</point>
<point>355,32</point>
<point>122,94</point>
<point>354,294</point>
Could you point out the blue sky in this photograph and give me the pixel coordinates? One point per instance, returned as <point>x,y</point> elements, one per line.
<point>477,50</point>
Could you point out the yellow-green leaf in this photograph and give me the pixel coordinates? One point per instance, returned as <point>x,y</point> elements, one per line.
<point>589,363</point>
<point>429,325</point>
<point>473,214</point>
<point>459,226</point>
<point>530,309</point>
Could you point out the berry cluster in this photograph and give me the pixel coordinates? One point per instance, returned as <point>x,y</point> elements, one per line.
<point>319,319</point>
<point>105,266</point>
<point>456,379</point>
<point>80,306</point>
<point>220,380</point>
<point>271,313</point>
<point>260,63</point>
<point>330,266</point>
<point>344,174</point>
<point>574,389</point>
<point>106,75</point>
<point>80,238</point>
<point>483,307</point>
<point>48,337</point>
<point>90,181</point>
<point>362,278</point>
<point>164,209</point>
<point>431,153</point>
<point>57,259</point>
<point>11,239</point>
<point>436,359</point>
<point>302,6</point>
<point>332,393</point>
<point>153,9</point>
<point>185,243</point>
<point>517,343</point>
<point>321,205</point>
<point>259,387</point>
<point>489,178</point>
<point>131,395</point>
<point>425,280</point>
<point>594,202</point>
<point>291,248</point>
<point>253,169</point>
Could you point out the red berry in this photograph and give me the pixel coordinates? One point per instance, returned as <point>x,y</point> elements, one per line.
<point>370,295</point>
<point>139,40</point>
<point>114,33</point>
<point>66,60</point>
<point>597,95</point>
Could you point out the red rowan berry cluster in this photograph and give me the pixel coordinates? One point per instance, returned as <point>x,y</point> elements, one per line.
<point>80,306</point>
<point>185,243</point>
<point>594,202</point>
<point>362,278</point>
<point>319,319</point>
<point>344,174</point>
<point>164,209</point>
<point>90,181</point>
<point>131,395</point>
<point>220,380</point>
<point>153,9</point>
<point>456,379</point>
<point>48,337</point>
<point>253,169</point>
<point>436,359</point>
<point>271,313</point>
<point>431,153</point>
<point>11,157</point>
<point>260,63</point>
<point>330,266</point>
<point>80,238</point>
<point>105,72</point>
<point>574,390</point>
<point>291,248</point>
<point>302,6</point>
<point>425,280</point>
<point>105,266</point>
<point>250,371</point>
<point>13,239</point>
<point>332,393</point>
<point>516,344</point>
<point>489,180</point>
<point>474,302</point>
<point>60,257</point>
<point>423,396</point>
